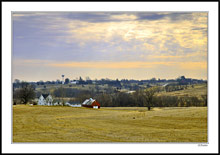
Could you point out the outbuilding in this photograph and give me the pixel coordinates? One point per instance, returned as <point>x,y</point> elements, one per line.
<point>73,104</point>
<point>91,103</point>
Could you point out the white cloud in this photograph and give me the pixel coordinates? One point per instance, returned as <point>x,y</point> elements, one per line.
<point>126,37</point>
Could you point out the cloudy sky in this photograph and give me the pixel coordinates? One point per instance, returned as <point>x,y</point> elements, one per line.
<point>123,45</point>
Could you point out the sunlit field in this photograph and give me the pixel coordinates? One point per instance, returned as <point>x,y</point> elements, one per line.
<point>118,124</point>
<point>197,90</point>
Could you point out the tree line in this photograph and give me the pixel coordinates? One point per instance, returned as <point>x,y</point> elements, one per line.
<point>140,98</point>
<point>112,98</point>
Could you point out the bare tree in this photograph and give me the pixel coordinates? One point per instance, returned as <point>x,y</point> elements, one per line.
<point>149,95</point>
<point>26,93</point>
<point>204,97</point>
<point>62,95</point>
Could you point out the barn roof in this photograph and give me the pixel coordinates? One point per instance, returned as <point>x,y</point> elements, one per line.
<point>88,101</point>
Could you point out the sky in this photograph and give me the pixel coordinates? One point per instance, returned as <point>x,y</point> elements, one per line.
<point>114,45</point>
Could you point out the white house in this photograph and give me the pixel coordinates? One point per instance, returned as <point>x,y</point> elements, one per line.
<point>45,99</point>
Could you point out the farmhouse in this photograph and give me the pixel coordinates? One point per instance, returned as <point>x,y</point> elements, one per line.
<point>45,99</point>
<point>91,103</point>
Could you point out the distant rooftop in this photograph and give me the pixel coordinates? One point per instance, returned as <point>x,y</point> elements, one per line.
<point>88,101</point>
<point>45,95</point>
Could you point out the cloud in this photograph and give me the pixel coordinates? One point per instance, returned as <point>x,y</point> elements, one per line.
<point>124,17</point>
<point>111,65</point>
<point>151,16</point>
<point>193,65</point>
<point>111,36</point>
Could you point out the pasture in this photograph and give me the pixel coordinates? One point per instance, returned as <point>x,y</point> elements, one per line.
<point>118,124</point>
<point>197,90</point>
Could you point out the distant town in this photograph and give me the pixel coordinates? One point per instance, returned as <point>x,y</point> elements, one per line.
<point>181,80</point>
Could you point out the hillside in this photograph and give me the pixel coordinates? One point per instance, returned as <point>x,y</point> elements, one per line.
<point>197,90</point>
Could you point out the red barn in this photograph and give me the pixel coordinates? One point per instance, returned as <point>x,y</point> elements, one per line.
<point>91,103</point>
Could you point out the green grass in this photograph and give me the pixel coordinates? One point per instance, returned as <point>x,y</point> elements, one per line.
<point>119,124</point>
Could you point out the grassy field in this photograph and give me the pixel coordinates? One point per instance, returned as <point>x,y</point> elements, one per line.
<point>119,124</point>
<point>197,90</point>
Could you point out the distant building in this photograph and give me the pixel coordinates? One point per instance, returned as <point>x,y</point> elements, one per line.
<point>130,92</point>
<point>166,84</point>
<point>45,99</point>
<point>72,104</point>
<point>74,82</point>
<point>91,103</point>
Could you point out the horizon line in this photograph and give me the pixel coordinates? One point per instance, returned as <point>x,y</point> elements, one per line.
<point>84,79</point>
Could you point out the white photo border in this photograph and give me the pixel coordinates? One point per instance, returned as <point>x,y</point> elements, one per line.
<point>212,145</point>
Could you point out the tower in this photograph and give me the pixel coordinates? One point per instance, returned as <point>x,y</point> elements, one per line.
<point>62,79</point>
